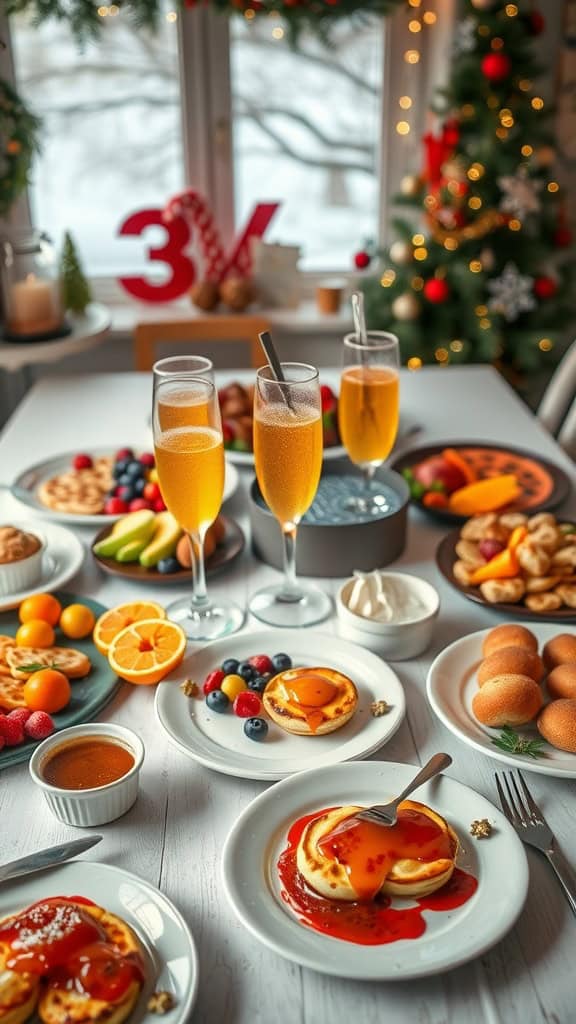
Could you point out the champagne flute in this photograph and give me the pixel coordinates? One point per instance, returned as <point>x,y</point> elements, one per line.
<point>288,462</point>
<point>190,461</point>
<point>368,411</point>
<point>181,413</point>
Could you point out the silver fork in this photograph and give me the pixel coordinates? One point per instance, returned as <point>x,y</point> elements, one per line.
<point>385,814</point>
<point>531,826</point>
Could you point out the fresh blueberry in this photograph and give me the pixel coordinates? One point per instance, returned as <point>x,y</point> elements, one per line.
<point>230,666</point>
<point>217,701</point>
<point>246,670</point>
<point>135,469</point>
<point>125,492</point>
<point>125,480</point>
<point>258,684</point>
<point>256,729</point>
<point>139,486</point>
<point>119,468</point>
<point>166,565</point>
<point>281,662</point>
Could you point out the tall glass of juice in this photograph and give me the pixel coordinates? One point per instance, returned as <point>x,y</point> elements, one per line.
<point>369,410</point>
<point>190,462</point>
<point>288,462</point>
<point>181,413</point>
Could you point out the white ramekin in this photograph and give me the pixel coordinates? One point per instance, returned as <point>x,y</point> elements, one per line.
<point>86,807</point>
<point>395,641</point>
<point>26,572</point>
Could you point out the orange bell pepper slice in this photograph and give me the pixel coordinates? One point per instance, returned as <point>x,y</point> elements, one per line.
<point>502,566</point>
<point>516,537</point>
<point>454,458</point>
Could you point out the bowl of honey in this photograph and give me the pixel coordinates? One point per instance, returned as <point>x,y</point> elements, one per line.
<point>89,774</point>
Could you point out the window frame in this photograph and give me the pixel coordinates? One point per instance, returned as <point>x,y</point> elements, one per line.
<point>206,119</point>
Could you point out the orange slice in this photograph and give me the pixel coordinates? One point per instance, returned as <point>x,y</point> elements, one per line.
<point>116,619</point>
<point>147,651</point>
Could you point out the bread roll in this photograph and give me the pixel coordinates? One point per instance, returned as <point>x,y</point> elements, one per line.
<point>515,661</point>
<point>509,636</point>
<point>560,650</point>
<point>507,700</point>
<point>557,724</point>
<point>562,682</point>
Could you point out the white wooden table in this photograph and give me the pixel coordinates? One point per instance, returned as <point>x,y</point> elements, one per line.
<point>174,834</point>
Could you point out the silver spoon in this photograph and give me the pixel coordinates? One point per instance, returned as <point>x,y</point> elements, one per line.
<point>276,366</point>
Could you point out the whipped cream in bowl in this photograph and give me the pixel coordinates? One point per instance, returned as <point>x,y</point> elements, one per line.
<point>391,613</point>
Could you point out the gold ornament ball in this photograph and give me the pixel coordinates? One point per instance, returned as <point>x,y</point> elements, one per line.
<point>410,185</point>
<point>205,295</point>
<point>237,293</point>
<point>406,307</point>
<point>400,252</point>
<point>545,156</point>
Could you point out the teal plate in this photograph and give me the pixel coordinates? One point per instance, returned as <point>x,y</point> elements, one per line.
<point>89,695</point>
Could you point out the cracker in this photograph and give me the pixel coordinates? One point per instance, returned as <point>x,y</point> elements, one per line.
<point>74,664</point>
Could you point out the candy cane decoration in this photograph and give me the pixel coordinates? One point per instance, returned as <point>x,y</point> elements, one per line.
<point>194,208</point>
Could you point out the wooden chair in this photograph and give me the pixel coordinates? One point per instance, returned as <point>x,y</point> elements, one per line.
<point>200,330</point>
<point>557,409</point>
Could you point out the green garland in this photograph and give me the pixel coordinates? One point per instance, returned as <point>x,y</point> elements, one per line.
<point>314,15</point>
<point>19,131</point>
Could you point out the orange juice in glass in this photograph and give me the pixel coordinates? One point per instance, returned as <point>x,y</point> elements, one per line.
<point>369,408</point>
<point>181,412</point>
<point>190,464</point>
<point>288,462</point>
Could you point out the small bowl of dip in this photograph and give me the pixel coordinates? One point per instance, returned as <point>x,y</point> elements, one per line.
<point>89,773</point>
<point>390,613</point>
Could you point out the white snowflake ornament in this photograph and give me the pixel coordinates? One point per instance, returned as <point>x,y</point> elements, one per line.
<point>464,40</point>
<point>520,193</point>
<point>511,293</point>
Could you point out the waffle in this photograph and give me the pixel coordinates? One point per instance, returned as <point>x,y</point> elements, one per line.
<point>78,491</point>
<point>74,664</point>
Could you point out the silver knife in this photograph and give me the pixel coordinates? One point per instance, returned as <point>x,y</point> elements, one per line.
<point>46,858</point>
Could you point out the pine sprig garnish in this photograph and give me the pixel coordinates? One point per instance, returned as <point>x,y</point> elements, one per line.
<point>37,666</point>
<point>512,743</point>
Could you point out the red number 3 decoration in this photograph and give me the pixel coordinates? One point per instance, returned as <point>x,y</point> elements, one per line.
<point>183,270</point>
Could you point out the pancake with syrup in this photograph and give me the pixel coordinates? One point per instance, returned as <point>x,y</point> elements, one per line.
<point>87,968</point>
<point>344,858</point>
<point>310,701</point>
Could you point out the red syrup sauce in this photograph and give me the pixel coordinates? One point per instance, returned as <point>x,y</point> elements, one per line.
<point>372,923</point>
<point>66,945</point>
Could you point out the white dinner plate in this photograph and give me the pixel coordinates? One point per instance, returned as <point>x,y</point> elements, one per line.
<point>451,938</point>
<point>26,485</point>
<point>61,560</point>
<point>218,740</point>
<point>451,685</point>
<point>171,960</point>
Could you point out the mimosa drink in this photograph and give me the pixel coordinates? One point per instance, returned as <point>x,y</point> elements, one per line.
<point>288,457</point>
<point>190,463</point>
<point>183,409</point>
<point>368,412</point>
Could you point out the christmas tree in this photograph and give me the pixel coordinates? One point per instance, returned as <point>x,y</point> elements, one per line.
<point>487,274</point>
<point>75,288</point>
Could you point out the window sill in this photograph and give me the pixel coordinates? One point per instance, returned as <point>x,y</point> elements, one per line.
<point>304,320</point>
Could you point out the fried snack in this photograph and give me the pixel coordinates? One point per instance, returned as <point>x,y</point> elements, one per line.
<point>533,559</point>
<point>547,537</point>
<point>540,584</point>
<point>463,573</point>
<point>508,591</point>
<point>557,724</point>
<point>567,593</point>
<point>548,602</point>
<point>510,520</point>
<point>74,664</point>
<point>477,527</point>
<point>565,556</point>
<point>560,650</point>
<point>511,661</point>
<point>509,635</point>
<point>507,700</point>
<point>469,553</point>
<point>562,682</point>
<point>11,696</point>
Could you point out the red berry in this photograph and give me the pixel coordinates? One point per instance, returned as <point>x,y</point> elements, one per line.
<point>247,704</point>
<point>11,730</point>
<point>139,503</point>
<point>115,507</point>
<point>39,726</point>
<point>159,505</point>
<point>147,459</point>
<point>361,260</point>
<point>82,462</point>
<point>124,453</point>
<point>151,492</point>
<point>262,663</point>
<point>20,715</point>
<point>213,681</point>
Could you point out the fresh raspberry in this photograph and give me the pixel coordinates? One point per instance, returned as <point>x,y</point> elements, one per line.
<point>262,663</point>
<point>20,715</point>
<point>39,726</point>
<point>151,491</point>
<point>247,704</point>
<point>115,507</point>
<point>147,459</point>
<point>82,462</point>
<point>123,453</point>
<point>159,505</point>
<point>213,681</point>
<point>12,731</point>
<point>137,504</point>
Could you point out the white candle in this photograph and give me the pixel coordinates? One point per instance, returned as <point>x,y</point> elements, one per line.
<point>34,306</point>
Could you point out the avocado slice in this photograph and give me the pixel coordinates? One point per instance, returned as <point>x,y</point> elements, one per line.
<point>135,526</point>
<point>164,541</point>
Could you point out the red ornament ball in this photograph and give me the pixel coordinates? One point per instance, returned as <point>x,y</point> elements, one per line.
<point>545,287</point>
<point>535,23</point>
<point>563,238</point>
<point>436,290</point>
<point>496,66</point>
<point>361,260</point>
